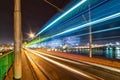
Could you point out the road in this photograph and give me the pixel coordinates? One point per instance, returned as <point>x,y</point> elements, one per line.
<point>49,67</point>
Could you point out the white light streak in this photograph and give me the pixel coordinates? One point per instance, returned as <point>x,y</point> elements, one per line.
<point>65,66</point>
<point>102,66</point>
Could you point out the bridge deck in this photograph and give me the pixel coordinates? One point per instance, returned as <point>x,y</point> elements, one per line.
<point>28,73</point>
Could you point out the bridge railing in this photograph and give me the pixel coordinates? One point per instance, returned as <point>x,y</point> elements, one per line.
<point>5,63</point>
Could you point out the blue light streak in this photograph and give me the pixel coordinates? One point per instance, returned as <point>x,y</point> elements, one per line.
<point>99,31</point>
<point>107,37</point>
<point>63,15</point>
<point>88,24</point>
<point>93,7</point>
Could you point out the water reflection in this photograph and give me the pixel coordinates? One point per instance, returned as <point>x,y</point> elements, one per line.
<point>109,52</point>
<point>117,52</point>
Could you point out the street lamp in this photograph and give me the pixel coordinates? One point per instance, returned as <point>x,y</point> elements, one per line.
<point>31,35</point>
<point>90,35</point>
<point>90,32</point>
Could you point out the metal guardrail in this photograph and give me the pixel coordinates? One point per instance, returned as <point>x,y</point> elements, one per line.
<point>5,62</point>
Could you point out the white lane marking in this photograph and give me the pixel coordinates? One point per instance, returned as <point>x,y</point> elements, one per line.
<point>65,67</point>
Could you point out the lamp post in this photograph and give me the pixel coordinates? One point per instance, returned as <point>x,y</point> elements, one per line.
<point>90,34</point>
<point>17,40</point>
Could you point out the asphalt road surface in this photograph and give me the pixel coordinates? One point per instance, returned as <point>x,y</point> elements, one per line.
<point>50,67</point>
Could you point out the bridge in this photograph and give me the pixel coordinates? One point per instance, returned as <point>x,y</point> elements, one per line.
<point>81,42</point>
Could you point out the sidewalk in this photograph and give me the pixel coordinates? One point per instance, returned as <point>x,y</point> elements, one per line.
<point>26,71</point>
<point>9,74</point>
<point>30,71</point>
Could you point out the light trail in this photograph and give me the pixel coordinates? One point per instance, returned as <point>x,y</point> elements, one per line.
<point>34,63</point>
<point>93,7</point>
<point>87,24</point>
<point>78,27</point>
<point>99,31</point>
<point>65,66</point>
<point>95,32</point>
<point>104,38</point>
<point>107,38</point>
<point>102,66</point>
<point>63,15</point>
<point>59,58</point>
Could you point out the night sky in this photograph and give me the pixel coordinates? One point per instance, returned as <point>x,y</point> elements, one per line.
<point>35,13</point>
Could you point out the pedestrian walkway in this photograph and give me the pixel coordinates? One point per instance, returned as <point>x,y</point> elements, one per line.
<point>9,74</point>
<point>30,70</point>
<point>27,73</point>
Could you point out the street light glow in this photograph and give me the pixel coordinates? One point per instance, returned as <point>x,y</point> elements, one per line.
<point>32,35</point>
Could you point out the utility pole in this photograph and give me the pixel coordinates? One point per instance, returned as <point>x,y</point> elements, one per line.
<point>17,40</point>
<point>90,35</point>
